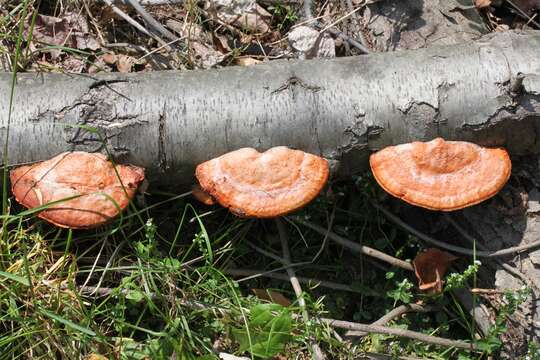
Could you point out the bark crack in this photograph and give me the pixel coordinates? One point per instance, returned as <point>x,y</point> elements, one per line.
<point>162,154</point>
<point>96,118</point>
<point>293,83</point>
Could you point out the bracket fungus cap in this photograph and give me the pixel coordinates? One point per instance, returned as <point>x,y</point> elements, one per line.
<point>88,180</point>
<point>441,175</point>
<point>263,185</point>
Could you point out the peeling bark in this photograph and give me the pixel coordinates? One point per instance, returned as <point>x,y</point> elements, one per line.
<point>341,109</point>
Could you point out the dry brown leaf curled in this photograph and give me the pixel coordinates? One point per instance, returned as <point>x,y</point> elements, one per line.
<point>430,267</point>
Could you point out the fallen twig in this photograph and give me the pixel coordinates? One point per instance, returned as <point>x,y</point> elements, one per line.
<point>487,291</point>
<point>523,14</point>
<point>360,35</point>
<point>151,21</point>
<point>251,274</point>
<point>129,19</point>
<point>429,339</point>
<point>282,230</point>
<point>317,24</point>
<point>395,313</point>
<point>366,250</point>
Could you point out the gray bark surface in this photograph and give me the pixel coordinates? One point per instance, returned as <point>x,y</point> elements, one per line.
<point>486,91</point>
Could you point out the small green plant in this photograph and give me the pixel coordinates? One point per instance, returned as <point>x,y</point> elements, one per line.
<point>268,330</point>
<point>511,300</point>
<point>402,292</point>
<point>458,281</point>
<point>285,15</point>
<point>533,351</point>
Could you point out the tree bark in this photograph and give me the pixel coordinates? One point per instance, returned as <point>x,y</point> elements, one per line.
<point>486,91</point>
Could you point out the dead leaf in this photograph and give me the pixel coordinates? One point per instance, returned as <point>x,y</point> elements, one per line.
<point>326,47</point>
<point>204,56</point>
<point>242,14</point>
<point>73,64</point>
<point>247,61</point>
<point>221,42</point>
<point>480,4</point>
<point>430,267</point>
<point>109,59</point>
<point>312,44</point>
<point>70,30</point>
<point>272,296</point>
<point>124,63</point>
<point>303,38</point>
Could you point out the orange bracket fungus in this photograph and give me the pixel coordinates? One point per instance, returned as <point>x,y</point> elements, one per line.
<point>263,185</point>
<point>96,191</point>
<point>441,175</point>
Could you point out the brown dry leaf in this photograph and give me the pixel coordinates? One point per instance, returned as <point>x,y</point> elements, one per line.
<point>204,56</point>
<point>70,30</point>
<point>109,59</point>
<point>124,63</point>
<point>272,296</point>
<point>73,64</point>
<point>247,61</point>
<point>480,4</point>
<point>221,42</point>
<point>430,267</point>
<point>242,14</point>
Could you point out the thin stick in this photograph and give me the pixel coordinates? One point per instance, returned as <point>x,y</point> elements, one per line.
<point>377,329</point>
<point>132,22</point>
<point>284,237</point>
<point>457,249</point>
<point>366,250</point>
<point>331,30</point>
<point>523,14</point>
<point>252,274</point>
<point>395,313</point>
<point>151,21</point>
<point>358,29</point>
<point>126,17</point>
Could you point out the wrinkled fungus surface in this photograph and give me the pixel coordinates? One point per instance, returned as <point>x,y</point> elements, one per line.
<point>263,185</point>
<point>96,192</point>
<point>441,175</point>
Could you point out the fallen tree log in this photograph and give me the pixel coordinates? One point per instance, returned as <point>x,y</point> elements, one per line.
<point>486,91</point>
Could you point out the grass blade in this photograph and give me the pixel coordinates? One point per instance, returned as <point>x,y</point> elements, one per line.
<point>17,278</point>
<point>68,323</point>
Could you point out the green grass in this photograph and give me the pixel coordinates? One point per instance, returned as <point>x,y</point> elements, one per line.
<point>155,283</point>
